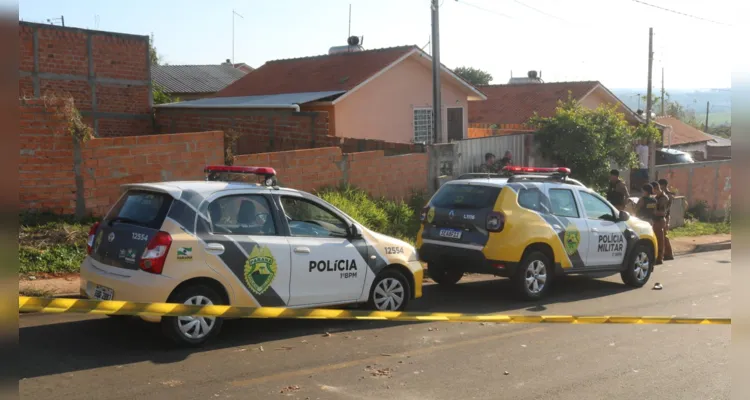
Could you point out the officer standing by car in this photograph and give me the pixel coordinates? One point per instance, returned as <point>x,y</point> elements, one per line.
<point>489,166</point>
<point>664,184</point>
<point>660,219</point>
<point>646,204</point>
<point>617,194</point>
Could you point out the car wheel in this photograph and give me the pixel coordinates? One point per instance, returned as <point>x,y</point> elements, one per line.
<point>193,331</point>
<point>639,267</point>
<point>389,292</point>
<point>534,276</point>
<point>444,276</point>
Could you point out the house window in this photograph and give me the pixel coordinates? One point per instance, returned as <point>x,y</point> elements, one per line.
<point>423,125</point>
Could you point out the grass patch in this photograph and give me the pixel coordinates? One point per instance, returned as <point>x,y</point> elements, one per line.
<point>51,245</point>
<point>30,292</point>
<point>698,228</point>
<point>399,219</point>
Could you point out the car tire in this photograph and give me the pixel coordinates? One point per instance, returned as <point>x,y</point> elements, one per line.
<point>639,267</point>
<point>534,276</point>
<point>390,291</point>
<point>444,276</point>
<point>183,331</point>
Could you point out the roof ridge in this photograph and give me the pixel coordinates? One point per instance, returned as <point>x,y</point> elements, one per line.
<point>194,65</point>
<point>535,83</point>
<point>341,54</point>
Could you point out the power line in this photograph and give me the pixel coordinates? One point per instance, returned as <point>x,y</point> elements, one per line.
<point>680,13</point>
<point>538,10</point>
<point>484,9</point>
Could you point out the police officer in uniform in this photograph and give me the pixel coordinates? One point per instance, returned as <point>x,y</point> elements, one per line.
<point>489,166</point>
<point>646,204</point>
<point>664,184</point>
<point>660,220</point>
<point>617,194</point>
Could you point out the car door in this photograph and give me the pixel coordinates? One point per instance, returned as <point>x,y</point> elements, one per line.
<point>245,238</point>
<point>566,218</point>
<point>327,267</point>
<point>608,245</point>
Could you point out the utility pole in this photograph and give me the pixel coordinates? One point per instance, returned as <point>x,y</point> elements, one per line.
<point>652,145</point>
<point>662,91</point>
<point>233,14</point>
<point>707,103</point>
<point>436,106</point>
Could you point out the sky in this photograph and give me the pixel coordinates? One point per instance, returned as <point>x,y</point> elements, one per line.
<point>567,40</point>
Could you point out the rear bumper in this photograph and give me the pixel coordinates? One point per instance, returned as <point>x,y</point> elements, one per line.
<point>128,285</point>
<point>464,259</point>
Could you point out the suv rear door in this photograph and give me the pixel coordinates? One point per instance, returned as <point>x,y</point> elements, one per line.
<point>458,214</point>
<point>124,233</point>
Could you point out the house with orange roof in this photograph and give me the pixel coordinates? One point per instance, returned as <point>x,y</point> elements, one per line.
<point>683,137</point>
<point>383,94</point>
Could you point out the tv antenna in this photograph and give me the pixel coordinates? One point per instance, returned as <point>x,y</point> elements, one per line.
<point>51,21</point>
<point>233,14</point>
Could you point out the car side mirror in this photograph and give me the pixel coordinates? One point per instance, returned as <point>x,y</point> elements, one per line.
<point>623,216</point>
<point>354,232</point>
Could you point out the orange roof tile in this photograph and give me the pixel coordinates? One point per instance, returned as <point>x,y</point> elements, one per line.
<point>682,133</point>
<point>342,71</point>
<point>516,103</point>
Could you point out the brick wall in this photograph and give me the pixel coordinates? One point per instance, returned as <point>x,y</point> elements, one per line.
<point>108,74</point>
<point>271,130</point>
<point>394,177</point>
<point>49,161</point>
<point>708,181</point>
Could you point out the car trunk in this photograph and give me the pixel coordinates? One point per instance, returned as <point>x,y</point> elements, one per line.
<point>460,214</point>
<point>123,235</point>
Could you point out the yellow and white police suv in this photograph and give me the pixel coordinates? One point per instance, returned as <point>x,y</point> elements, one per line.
<point>531,226</point>
<point>241,244</point>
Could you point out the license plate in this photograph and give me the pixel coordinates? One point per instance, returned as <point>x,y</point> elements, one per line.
<point>103,293</point>
<point>450,233</point>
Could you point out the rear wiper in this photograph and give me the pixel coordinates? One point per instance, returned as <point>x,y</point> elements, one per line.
<point>123,219</point>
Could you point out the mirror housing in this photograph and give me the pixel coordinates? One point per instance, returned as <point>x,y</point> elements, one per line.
<point>354,232</point>
<point>623,216</point>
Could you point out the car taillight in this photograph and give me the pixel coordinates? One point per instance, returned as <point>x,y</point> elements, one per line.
<point>495,221</point>
<point>92,235</point>
<point>156,253</point>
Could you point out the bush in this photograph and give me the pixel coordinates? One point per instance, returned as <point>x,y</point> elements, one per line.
<point>393,218</point>
<point>51,244</point>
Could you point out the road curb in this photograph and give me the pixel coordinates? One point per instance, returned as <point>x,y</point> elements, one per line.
<point>703,248</point>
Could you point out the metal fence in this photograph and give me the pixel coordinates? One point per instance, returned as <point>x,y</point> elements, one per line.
<point>470,152</point>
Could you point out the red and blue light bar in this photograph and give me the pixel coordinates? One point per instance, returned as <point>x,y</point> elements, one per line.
<point>535,170</point>
<point>268,173</point>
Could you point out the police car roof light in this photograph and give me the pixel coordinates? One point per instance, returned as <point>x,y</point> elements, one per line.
<point>556,170</point>
<point>267,171</point>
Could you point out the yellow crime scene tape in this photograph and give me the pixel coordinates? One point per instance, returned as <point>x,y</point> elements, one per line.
<point>49,305</point>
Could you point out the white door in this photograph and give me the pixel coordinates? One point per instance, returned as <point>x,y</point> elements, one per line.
<point>608,243</point>
<point>245,238</point>
<point>566,218</point>
<point>327,268</point>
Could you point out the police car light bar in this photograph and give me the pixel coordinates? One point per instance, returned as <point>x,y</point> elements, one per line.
<point>268,173</point>
<point>534,170</point>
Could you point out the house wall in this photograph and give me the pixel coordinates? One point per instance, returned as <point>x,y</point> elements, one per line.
<point>327,108</point>
<point>709,181</point>
<point>383,109</point>
<point>393,177</point>
<point>106,73</point>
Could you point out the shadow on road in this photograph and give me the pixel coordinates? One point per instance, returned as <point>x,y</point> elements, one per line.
<point>97,341</point>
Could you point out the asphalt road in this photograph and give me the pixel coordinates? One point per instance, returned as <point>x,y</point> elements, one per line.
<point>69,356</point>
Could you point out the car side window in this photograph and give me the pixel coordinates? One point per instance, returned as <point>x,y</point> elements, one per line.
<point>308,219</point>
<point>241,215</point>
<point>533,199</point>
<point>563,203</point>
<point>595,207</point>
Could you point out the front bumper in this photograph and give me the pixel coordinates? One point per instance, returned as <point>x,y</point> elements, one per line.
<point>418,273</point>
<point>127,285</point>
<point>464,259</point>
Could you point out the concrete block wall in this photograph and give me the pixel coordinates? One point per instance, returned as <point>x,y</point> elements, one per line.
<point>709,181</point>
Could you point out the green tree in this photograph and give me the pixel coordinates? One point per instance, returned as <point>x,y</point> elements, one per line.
<point>475,76</point>
<point>586,140</point>
<point>162,97</point>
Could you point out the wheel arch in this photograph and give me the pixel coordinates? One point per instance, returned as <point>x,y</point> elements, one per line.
<point>543,248</point>
<point>205,281</point>
<point>407,274</point>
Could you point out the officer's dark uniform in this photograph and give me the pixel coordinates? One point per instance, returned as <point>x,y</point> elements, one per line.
<point>646,207</point>
<point>617,194</point>
<point>660,224</point>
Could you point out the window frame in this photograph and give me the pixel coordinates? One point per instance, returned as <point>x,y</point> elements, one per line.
<point>271,207</point>
<point>431,136</point>
<point>613,213</point>
<point>282,215</point>
<point>544,202</point>
<point>575,202</point>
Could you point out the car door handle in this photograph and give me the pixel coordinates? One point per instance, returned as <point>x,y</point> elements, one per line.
<point>594,230</point>
<point>215,248</point>
<point>557,228</point>
<point>302,250</point>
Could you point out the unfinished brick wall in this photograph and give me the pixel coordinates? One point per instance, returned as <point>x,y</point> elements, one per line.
<point>708,181</point>
<point>108,74</point>
<point>393,177</point>
<point>265,131</point>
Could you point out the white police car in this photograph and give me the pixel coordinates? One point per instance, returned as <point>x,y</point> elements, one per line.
<point>243,244</point>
